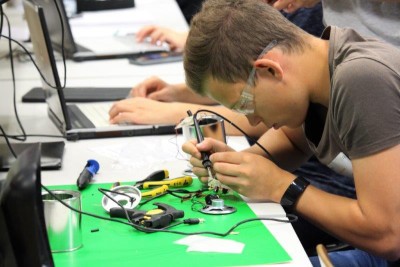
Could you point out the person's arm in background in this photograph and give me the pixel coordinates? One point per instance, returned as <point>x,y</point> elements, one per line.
<point>156,34</point>
<point>157,89</point>
<point>139,110</point>
<point>291,6</point>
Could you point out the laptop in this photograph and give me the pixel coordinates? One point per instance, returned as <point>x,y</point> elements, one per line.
<point>90,47</point>
<point>75,121</point>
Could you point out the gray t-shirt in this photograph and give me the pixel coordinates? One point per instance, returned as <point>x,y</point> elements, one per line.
<point>375,18</point>
<point>363,116</point>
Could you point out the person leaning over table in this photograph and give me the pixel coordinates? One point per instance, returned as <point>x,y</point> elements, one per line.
<point>137,110</point>
<point>140,110</point>
<point>336,97</point>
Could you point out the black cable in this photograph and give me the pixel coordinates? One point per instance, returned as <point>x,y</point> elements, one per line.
<point>34,63</point>
<point>291,218</point>
<point>24,136</point>
<point>150,199</point>
<point>171,192</point>
<point>16,137</point>
<point>30,56</point>
<point>8,142</point>
<point>79,211</point>
<point>238,128</point>
<point>119,204</point>
<point>13,79</point>
<point>195,203</point>
<point>104,191</point>
<point>1,20</point>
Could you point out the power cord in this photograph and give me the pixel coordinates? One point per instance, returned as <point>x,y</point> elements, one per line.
<point>24,136</point>
<point>16,137</point>
<point>1,20</point>
<point>13,79</point>
<point>8,142</point>
<point>35,64</point>
<point>30,56</point>
<point>291,218</point>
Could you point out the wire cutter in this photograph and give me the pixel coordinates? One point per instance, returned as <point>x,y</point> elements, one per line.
<point>160,187</point>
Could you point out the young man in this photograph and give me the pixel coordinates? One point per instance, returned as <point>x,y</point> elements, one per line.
<point>337,98</point>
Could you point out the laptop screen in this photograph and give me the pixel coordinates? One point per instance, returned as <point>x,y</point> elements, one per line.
<point>45,60</point>
<point>54,25</point>
<point>63,116</point>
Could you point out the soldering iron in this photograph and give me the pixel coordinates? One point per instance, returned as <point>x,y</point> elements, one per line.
<point>213,183</point>
<point>204,155</point>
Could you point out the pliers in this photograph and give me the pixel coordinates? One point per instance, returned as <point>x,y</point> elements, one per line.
<point>157,180</point>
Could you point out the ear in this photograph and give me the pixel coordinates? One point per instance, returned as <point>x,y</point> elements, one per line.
<point>273,67</point>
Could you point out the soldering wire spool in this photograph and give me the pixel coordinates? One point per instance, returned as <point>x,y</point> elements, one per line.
<point>218,207</point>
<point>127,196</point>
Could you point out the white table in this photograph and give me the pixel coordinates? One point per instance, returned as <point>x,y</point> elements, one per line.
<point>119,73</point>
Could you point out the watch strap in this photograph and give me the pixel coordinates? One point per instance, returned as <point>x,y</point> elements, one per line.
<point>293,192</point>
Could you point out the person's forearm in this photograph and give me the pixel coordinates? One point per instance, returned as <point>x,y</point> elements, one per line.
<point>285,150</point>
<point>345,219</point>
<point>369,222</point>
<point>188,96</point>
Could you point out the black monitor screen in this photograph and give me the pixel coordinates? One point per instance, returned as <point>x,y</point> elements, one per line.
<point>23,235</point>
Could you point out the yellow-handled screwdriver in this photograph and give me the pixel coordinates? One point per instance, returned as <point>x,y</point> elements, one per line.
<point>176,182</point>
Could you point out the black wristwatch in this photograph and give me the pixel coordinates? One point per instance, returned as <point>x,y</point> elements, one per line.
<point>294,191</point>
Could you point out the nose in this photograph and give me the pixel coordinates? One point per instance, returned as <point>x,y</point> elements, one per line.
<point>253,120</point>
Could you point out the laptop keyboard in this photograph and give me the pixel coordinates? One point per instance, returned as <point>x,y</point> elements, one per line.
<point>96,113</point>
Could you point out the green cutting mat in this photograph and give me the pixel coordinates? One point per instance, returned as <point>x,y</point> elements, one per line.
<point>120,245</point>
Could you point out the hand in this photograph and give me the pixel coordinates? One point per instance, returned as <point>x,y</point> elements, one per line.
<point>176,40</point>
<point>209,145</point>
<point>248,174</point>
<point>157,89</point>
<point>290,6</point>
<point>251,175</point>
<point>141,110</point>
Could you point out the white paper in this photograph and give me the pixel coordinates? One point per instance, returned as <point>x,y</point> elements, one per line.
<point>136,152</point>
<point>210,244</point>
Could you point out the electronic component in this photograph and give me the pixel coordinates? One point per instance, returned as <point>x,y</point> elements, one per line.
<point>217,207</point>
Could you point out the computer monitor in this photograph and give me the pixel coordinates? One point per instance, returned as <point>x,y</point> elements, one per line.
<point>95,5</point>
<point>23,235</point>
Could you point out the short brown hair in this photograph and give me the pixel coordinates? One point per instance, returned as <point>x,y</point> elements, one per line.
<point>226,36</point>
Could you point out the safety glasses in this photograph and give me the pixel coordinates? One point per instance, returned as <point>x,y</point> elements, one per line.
<point>245,105</point>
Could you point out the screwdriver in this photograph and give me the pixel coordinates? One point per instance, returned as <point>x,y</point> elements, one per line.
<point>154,176</point>
<point>176,182</point>
<point>204,155</point>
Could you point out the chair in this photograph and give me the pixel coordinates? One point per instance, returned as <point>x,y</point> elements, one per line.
<point>323,256</point>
